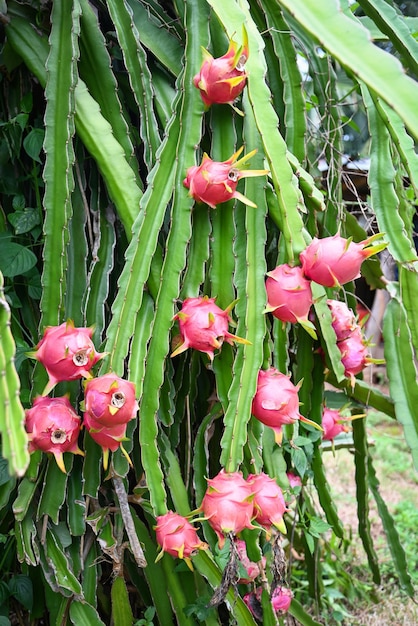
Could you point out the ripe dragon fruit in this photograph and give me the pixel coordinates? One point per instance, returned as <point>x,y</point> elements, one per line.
<point>280,600</point>
<point>214,182</point>
<point>204,326</point>
<point>67,353</point>
<point>334,261</point>
<point>289,296</point>
<point>276,402</point>
<point>228,504</point>
<point>221,80</point>
<point>343,319</point>
<point>269,504</point>
<point>109,404</point>
<point>252,570</point>
<point>333,423</point>
<point>354,353</point>
<point>177,536</point>
<point>53,426</point>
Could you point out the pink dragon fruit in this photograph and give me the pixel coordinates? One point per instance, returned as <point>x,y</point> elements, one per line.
<point>354,353</point>
<point>334,261</point>
<point>269,504</point>
<point>333,423</point>
<point>276,402</point>
<point>110,400</point>
<point>67,353</point>
<point>53,426</point>
<point>280,600</point>
<point>221,80</point>
<point>343,319</point>
<point>109,404</point>
<point>228,504</point>
<point>177,536</point>
<point>294,480</point>
<point>204,326</point>
<point>289,296</point>
<point>214,182</point>
<point>252,569</point>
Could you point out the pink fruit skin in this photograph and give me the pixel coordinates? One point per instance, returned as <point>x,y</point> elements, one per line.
<point>343,319</point>
<point>294,481</point>
<point>252,569</point>
<point>332,423</point>
<point>53,426</point>
<point>67,353</point>
<point>228,504</point>
<point>289,294</point>
<point>203,326</point>
<point>110,400</point>
<point>333,261</point>
<point>269,504</point>
<point>213,182</point>
<point>221,80</point>
<point>176,535</point>
<point>281,599</point>
<point>276,401</point>
<point>108,437</point>
<point>354,353</point>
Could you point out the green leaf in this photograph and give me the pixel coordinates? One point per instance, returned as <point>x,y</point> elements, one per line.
<point>121,608</point>
<point>33,143</point>
<point>24,221</point>
<point>20,587</point>
<point>15,259</point>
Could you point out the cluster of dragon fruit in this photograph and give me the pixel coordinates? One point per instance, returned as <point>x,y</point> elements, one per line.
<point>231,503</point>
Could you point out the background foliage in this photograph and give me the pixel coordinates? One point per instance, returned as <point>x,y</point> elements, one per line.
<point>99,123</point>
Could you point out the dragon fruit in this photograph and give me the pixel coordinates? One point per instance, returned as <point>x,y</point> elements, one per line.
<point>281,599</point>
<point>354,353</point>
<point>269,504</point>
<point>252,570</point>
<point>204,326</point>
<point>214,182</point>
<point>177,536</point>
<point>289,295</point>
<point>53,426</point>
<point>276,402</point>
<point>109,404</point>
<point>333,423</point>
<point>343,319</point>
<point>334,261</point>
<point>228,504</point>
<point>221,80</point>
<point>67,353</point>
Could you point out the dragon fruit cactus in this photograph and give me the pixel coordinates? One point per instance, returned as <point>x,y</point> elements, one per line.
<point>334,261</point>
<point>67,353</point>
<point>281,599</point>
<point>343,319</point>
<point>109,404</point>
<point>204,326</point>
<point>222,79</point>
<point>177,536</point>
<point>228,504</point>
<point>289,296</point>
<point>269,504</point>
<point>214,182</point>
<point>53,426</point>
<point>276,402</point>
